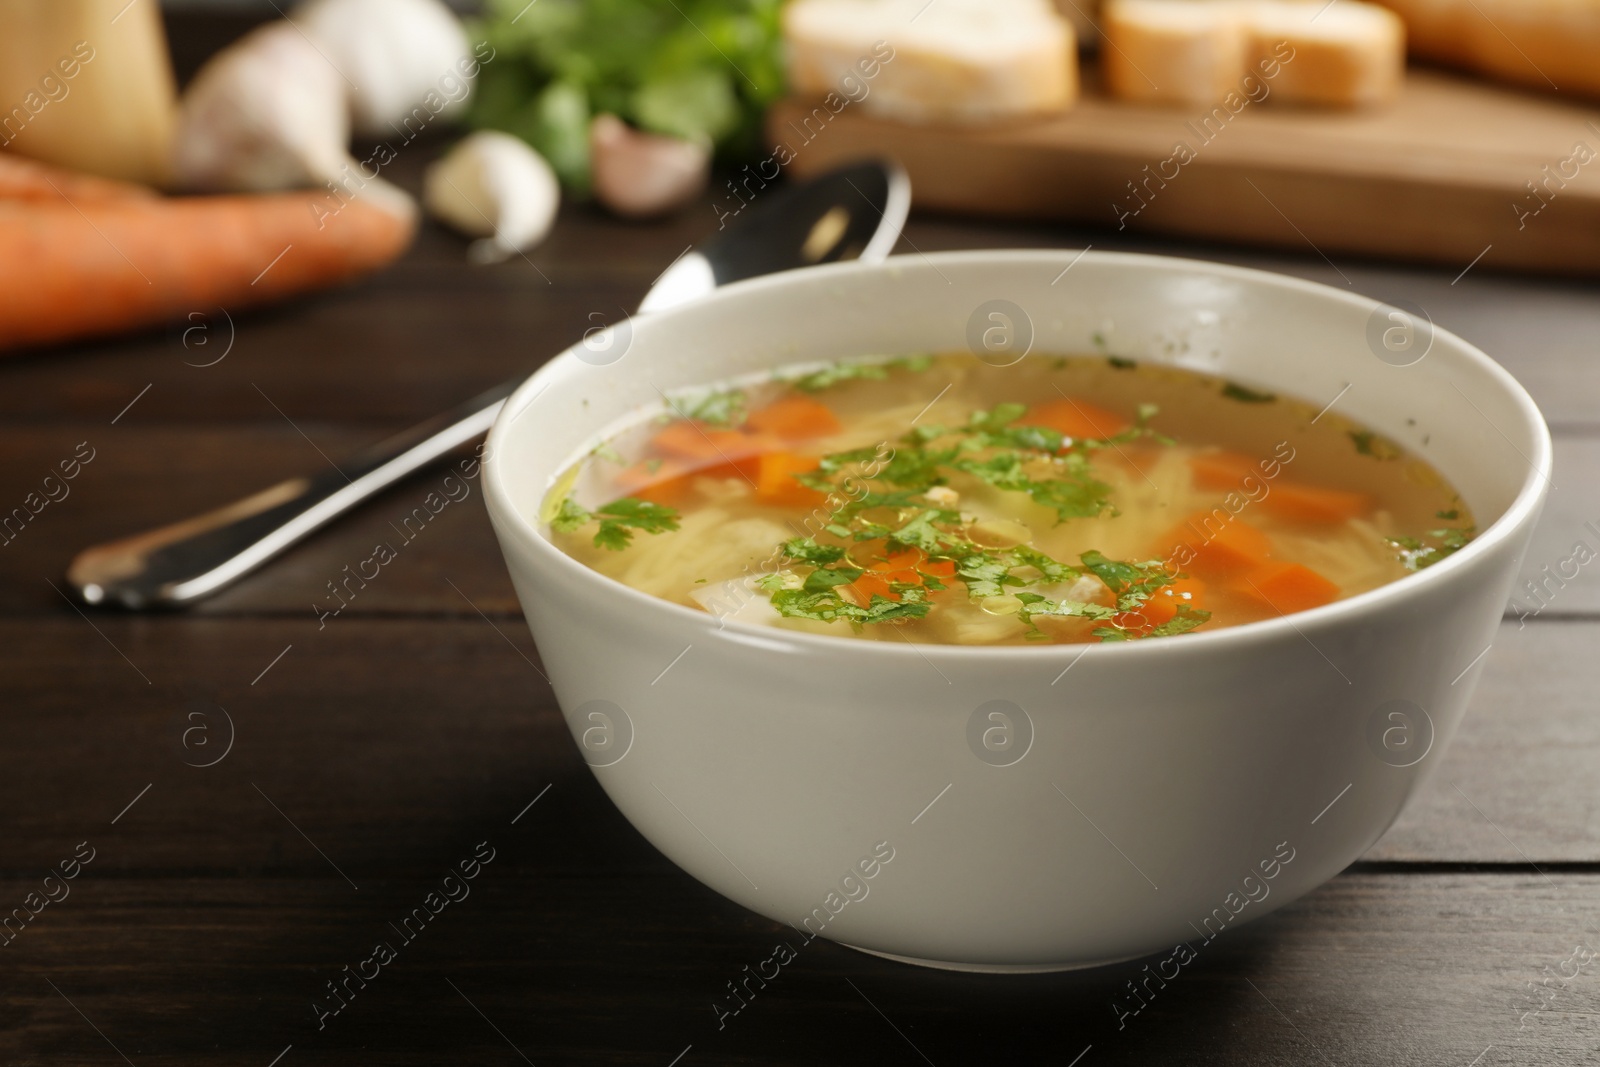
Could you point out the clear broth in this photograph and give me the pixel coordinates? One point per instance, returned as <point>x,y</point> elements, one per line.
<point>1167,502</point>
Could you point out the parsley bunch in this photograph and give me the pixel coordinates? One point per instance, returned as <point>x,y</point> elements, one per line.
<point>703,70</point>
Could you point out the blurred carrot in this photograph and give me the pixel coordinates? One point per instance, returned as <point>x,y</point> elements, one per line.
<point>794,418</point>
<point>1216,546</point>
<point>1294,501</point>
<point>1287,587</point>
<point>776,484</point>
<point>1075,418</point>
<point>83,269</point>
<point>703,445</point>
<point>1162,607</point>
<point>23,179</point>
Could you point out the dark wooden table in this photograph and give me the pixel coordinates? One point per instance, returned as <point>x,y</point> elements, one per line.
<point>352,762</point>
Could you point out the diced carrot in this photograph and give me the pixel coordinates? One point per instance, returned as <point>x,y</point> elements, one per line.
<point>1220,544</point>
<point>667,480</point>
<point>1287,587</point>
<point>644,474</point>
<point>1162,607</point>
<point>705,445</point>
<point>869,585</point>
<point>1222,470</point>
<point>661,482</point>
<point>1293,501</point>
<point>1075,418</point>
<point>903,568</point>
<point>776,484</point>
<point>1315,504</point>
<point>914,562</point>
<point>1190,591</point>
<point>794,418</point>
<point>669,492</point>
<point>899,569</point>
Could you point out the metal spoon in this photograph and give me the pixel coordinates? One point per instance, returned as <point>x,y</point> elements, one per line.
<point>854,212</point>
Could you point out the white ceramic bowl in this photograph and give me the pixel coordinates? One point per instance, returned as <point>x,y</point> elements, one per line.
<point>1156,791</point>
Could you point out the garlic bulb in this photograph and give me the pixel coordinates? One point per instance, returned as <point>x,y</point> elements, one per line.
<point>493,186</point>
<point>390,55</point>
<point>267,112</point>
<point>638,174</point>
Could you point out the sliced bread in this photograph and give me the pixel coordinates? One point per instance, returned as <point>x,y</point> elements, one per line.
<point>1545,44</point>
<point>1173,51</point>
<point>1343,53</point>
<point>930,61</point>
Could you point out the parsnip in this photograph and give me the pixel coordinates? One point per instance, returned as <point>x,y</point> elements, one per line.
<point>87,84</point>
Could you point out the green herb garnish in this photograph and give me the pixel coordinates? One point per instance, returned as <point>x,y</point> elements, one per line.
<point>857,370</point>
<point>1370,444</point>
<point>1418,555</point>
<point>1187,618</point>
<point>725,410</point>
<point>826,605</point>
<point>618,520</point>
<point>1235,391</point>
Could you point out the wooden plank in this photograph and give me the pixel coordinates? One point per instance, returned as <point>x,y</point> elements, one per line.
<point>1498,796</point>
<point>592,965</point>
<point>141,477</point>
<point>1434,178</point>
<point>371,728</point>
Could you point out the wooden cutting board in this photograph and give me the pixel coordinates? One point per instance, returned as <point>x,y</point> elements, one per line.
<point>1454,171</point>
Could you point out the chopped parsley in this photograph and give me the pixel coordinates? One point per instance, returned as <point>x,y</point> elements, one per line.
<point>827,605</point>
<point>857,370</point>
<point>1187,618</point>
<point>618,520</point>
<point>1370,444</point>
<point>724,410</point>
<point>1418,554</point>
<point>995,448</point>
<point>1235,391</point>
<point>881,500</point>
<point>1118,363</point>
<point>1132,584</point>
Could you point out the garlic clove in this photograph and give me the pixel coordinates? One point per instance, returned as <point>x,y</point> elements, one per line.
<point>495,187</point>
<point>265,113</point>
<point>402,63</point>
<point>639,175</point>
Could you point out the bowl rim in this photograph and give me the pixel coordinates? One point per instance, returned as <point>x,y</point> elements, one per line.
<point>1521,511</point>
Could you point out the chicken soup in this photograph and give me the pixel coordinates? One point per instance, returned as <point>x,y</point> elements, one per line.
<point>938,499</point>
